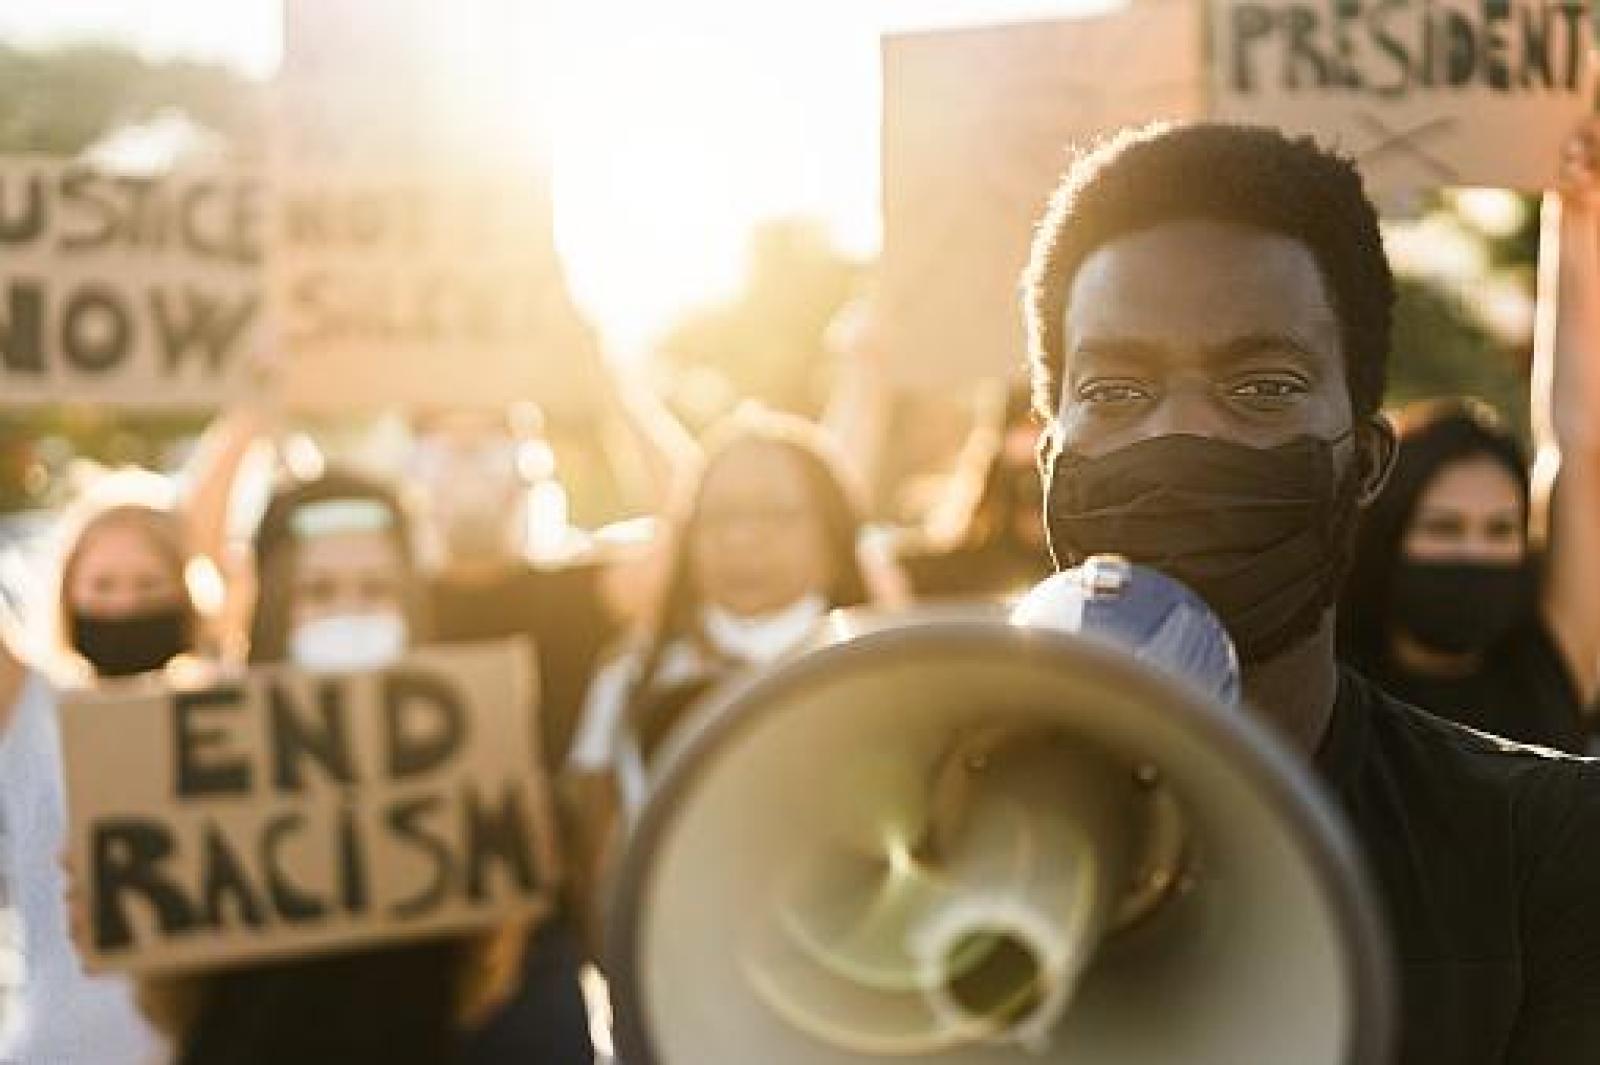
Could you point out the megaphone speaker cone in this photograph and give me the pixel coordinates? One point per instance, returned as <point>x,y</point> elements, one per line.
<point>964,842</point>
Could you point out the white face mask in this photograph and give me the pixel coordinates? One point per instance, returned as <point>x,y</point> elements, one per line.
<point>765,637</point>
<point>349,643</point>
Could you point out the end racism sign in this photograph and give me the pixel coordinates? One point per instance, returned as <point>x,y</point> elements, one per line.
<point>286,813</point>
<point>1419,92</point>
<point>127,290</point>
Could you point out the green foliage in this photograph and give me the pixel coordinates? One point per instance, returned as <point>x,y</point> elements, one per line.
<point>60,102</point>
<point>1441,349</point>
<point>1521,246</point>
<point>63,100</point>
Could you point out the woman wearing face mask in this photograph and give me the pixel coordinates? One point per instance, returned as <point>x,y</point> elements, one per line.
<point>122,608</point>
<point>64,1014</point>
<point>765,545</point>
<point>338,592</point>
<point>1470,593</point>
<point>125,606</point>
<point>1442,605</point>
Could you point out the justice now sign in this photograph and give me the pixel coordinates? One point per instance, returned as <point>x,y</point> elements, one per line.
<point>286,813</point>
<point>132,291</point>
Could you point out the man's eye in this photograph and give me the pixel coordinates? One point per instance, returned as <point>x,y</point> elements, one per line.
<point>1268,388</point>
<point>1110,393</point>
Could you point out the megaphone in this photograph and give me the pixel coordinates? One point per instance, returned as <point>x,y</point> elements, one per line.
<point>973,841</point>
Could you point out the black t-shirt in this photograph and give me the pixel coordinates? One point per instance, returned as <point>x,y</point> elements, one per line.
<point>1487,855</point>
<point>561,610</point>
<point>388,1006</point>
<point>1522,691</point>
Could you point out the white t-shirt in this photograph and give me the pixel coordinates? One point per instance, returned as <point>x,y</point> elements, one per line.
<point>603,741</point>
<point>67,1017</point>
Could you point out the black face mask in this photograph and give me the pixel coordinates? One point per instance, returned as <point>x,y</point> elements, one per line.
<point>1461,607</point>
<point>137,643</point>
<point>1263,535</point>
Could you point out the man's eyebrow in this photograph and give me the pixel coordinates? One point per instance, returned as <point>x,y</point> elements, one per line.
<point>1251,344</point>
<point>1113,348</point>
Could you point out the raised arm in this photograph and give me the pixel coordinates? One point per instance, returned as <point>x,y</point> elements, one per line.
<point>1566,407</point>
<point>857,414</point>
<point>210,477</point>
<point>664,447</point>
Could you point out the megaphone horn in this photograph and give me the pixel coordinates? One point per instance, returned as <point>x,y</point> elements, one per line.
<point>973,842</point>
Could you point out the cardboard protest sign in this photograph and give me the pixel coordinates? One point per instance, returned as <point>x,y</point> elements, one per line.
<point>413,260</point>
<point>343,60</point>
<point>978,126</point>
<point>127,291</point>
<point>282,813</point>
<point>419,290</point>
<point>1421,93</point>
<point>979,123</point>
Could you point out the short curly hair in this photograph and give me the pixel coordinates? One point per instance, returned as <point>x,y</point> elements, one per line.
<point>1251,176</point>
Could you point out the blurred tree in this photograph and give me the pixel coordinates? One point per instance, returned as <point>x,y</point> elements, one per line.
<point>767,342</point>
<point>1453,333</point>
<point>1519,246</point>
<point>61,102</point>
<point>1441,348</point>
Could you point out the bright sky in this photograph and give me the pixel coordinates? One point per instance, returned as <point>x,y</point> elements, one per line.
<point>677,124</point>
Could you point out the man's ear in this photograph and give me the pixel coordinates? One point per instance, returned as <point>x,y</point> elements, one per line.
<point>1045,447</point>
<point>1376,446</point>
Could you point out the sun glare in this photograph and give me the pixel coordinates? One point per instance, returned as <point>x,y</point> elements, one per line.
<point>670,145</point>
<point>670,130</point>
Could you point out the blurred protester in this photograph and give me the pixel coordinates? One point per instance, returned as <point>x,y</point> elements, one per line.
<point>338,591</point>
<point>987,539</point>
<point>1442,605</point>
<point>123,605</point>
<point>140,556</point>
<point>985,535</point>
<point>66,1016</point>
<point>481,479</point>
<point>478,477</point>
<point>1471,595</point>
<point>765,543</point>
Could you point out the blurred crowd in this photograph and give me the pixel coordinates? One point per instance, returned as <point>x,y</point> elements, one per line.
<point>266,548</point>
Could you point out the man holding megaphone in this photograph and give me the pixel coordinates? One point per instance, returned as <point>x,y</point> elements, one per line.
<point>1209,312</point>
<point>976,842</point>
